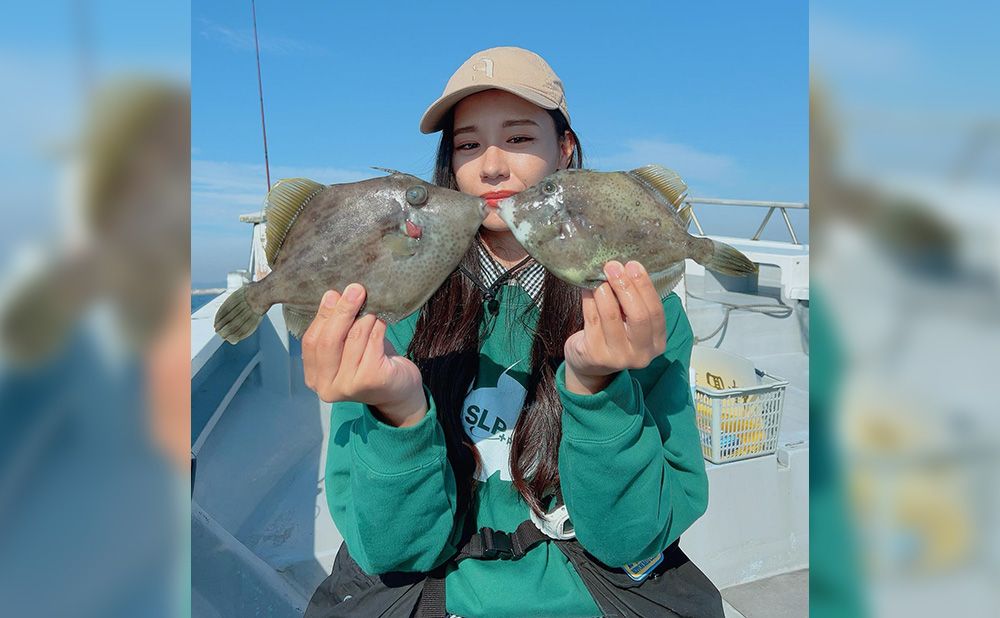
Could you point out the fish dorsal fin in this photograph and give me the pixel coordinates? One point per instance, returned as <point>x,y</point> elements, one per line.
<point>664,181</point>
<point>667,183</point>
<point>283,203</point>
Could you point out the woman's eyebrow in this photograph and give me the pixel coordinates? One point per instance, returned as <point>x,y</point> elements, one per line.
<point>507,123</point>
<point>518,123</point>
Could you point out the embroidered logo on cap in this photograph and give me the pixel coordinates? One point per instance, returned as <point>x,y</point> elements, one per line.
<point>485,65</point>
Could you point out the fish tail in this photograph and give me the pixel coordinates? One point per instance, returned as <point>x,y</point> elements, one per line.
<point>236,320</point>
<point>728,261</point>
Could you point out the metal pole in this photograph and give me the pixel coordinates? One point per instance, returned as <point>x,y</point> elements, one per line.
<point>764,203</point>
<point>697,223</point>
<point>85,48</point>
<point>763,224</point>
<point>788,224</point>
<point>260,92</point>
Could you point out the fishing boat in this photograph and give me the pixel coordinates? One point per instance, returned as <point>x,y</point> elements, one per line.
<point>262,537</point>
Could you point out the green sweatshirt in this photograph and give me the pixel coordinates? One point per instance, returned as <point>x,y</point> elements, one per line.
<point>632,473</point>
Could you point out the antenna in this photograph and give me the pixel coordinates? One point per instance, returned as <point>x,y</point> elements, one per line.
<point>260,92</point>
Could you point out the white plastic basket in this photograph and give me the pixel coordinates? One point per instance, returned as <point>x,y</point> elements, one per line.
<point>738,407</point>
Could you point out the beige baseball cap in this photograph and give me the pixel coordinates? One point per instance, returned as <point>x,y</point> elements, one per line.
<point>513,69</point>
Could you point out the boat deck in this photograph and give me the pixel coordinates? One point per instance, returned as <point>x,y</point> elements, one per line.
<point>758,598</point>
<point>262,536</point>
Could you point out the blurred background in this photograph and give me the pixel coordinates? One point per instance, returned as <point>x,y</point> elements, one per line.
<point>94,288</point>
<point>905,189</point>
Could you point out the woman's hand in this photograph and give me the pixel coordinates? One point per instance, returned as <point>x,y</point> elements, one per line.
<point>346,358</point>
<point>624,328</point>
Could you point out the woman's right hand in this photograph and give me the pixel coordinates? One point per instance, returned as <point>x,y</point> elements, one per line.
<point>346,358</point>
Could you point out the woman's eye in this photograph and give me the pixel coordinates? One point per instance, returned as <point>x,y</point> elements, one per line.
<point>467,146</point>
<point>520,139</point>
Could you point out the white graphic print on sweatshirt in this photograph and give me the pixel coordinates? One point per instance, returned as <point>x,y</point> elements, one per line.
<point>489,417</point>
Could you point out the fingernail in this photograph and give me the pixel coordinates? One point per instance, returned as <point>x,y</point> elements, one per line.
<point>353,292</point>
<point>328,300</point>
<point>614,269</point>
<point>635,269</point>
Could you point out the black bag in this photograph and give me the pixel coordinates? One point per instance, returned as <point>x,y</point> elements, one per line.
<point>349,591</point>
<point>675,588</point>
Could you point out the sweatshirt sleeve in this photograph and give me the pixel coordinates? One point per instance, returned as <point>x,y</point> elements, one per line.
<point>391,490</point>
<point>630,462</point>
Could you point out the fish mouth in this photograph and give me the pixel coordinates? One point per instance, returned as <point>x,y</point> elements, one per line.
<point>483,210</point>
<point>413,230</point>
<point>503,206</point>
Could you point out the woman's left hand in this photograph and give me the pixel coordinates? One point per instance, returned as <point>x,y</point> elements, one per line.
<point>624,328</point>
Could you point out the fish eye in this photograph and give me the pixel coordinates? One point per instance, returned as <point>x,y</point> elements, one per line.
<point>549,188</point>
<point>416,196</point>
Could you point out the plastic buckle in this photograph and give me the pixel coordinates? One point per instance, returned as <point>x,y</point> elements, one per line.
<point>555,524</point>
<point>496,544</point>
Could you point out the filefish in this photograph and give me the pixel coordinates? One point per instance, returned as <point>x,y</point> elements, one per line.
<point>575,221</point>
<point>398,236</point>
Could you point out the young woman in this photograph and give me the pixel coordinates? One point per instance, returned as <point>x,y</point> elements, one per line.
<point>521,403</point>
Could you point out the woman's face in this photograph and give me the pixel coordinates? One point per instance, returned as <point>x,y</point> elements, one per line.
<point>503,145</point>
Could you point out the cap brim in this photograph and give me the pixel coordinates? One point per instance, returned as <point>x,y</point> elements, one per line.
<point>431,121</point>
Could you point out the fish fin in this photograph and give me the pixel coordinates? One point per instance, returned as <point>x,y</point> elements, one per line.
<point>283,203</point>
<point>297,321</point>
<point>236,320</point>
<point>400,245</point>
<point>728,261</point>
<point>666,280</point>
<point>664,181</point>
<point>387,170</point>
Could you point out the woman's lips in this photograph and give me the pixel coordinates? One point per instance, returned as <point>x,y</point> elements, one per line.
<point>495,196</point>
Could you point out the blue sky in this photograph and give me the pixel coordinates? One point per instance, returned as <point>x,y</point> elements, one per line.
<point>43,100</point>
<point>717,91</point>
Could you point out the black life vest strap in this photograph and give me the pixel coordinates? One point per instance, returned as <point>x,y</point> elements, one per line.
<point>486,544</point>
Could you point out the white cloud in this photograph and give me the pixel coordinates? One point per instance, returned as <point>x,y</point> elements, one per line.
<point>691,163</point>
<point>242,40</point>
<point>222,190</point>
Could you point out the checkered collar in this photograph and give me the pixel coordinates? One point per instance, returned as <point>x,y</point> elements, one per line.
<point>530,277</point>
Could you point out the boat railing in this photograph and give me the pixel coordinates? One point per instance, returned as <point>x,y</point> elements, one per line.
<point>771,206</point>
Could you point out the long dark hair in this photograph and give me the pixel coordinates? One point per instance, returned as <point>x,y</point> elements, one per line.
<point>446,348</point>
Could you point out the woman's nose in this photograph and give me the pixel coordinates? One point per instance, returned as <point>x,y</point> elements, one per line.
<point>494,163</point>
